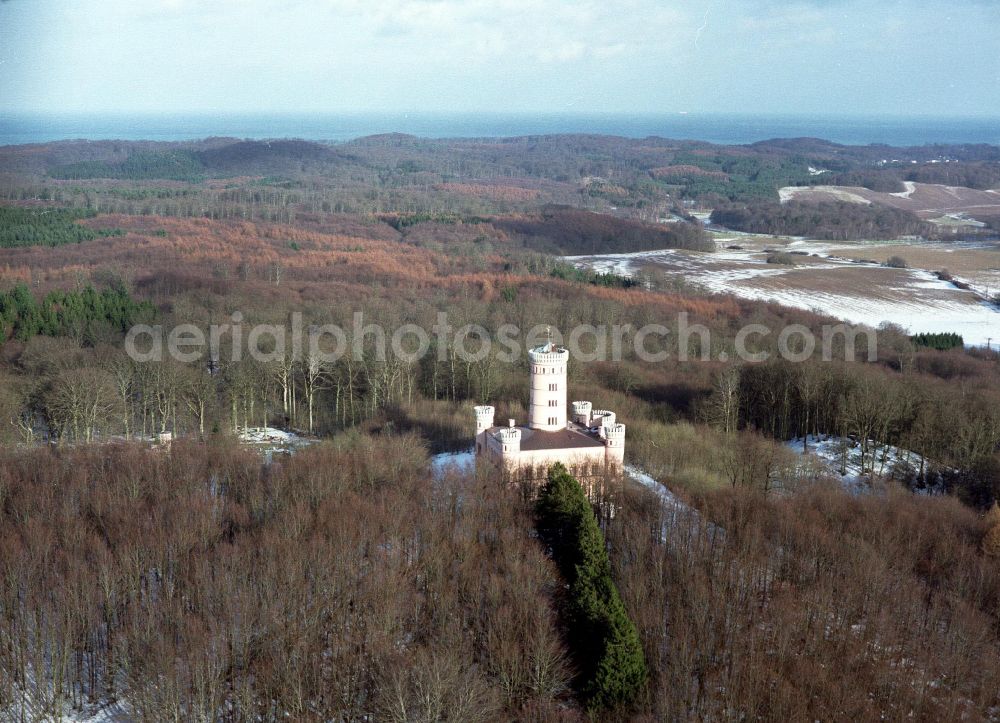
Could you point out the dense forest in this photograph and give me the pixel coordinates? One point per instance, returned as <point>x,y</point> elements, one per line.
<point>344,582</point>
<point>876,179</point>
<point>573,232</point>
<point>339,584</point>
<point>46,227</point>
<point>80,314</point>
<point>942,341</point>
<point>356,579</point>
<point>837,220</point>
<point>610,663</point>
<point>889,178</point>
<point>169,165</point>
<point>972,175</point>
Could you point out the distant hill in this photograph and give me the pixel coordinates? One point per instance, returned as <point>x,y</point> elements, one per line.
<point>191,163</point>
<point>643,179</point>
<point>574,232</point>
<point>819,149</point>
<point>256,157</point>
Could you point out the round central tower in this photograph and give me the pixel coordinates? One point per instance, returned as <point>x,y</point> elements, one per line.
<point>547,410</point>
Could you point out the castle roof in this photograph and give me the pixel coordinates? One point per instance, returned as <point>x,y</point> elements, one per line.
<point>573,437</point>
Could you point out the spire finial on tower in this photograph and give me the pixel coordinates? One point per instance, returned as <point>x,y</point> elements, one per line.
<point>548,338</point>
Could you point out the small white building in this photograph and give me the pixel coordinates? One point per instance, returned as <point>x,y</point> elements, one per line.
<point>589,443</point>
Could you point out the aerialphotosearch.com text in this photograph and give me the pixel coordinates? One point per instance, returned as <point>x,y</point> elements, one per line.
<point>233,341</point>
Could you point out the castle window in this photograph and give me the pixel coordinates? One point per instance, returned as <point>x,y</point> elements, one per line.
<point>553,402</point>
<point>553,420</point>
<point>553,387</point>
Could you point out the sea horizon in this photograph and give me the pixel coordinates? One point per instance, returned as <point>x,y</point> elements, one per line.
<point>718,128</point>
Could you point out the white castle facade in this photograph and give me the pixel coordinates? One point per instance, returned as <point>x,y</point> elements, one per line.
<point>589,443</point>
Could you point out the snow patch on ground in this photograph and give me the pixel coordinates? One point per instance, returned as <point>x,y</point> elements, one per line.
<point>460,462</point>
<point>674,510</point>
<point>910,188</point>
<point>667,498</point>
<point>267,435</point>
<point>29,704</point>
<point>270,440</point>
<point>842,457</point>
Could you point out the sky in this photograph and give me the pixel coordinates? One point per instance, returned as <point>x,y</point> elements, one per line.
<point>844,57</point>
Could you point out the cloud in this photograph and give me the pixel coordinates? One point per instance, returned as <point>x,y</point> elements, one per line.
<point>571,50</point>
<point>641,55</point>
<point>546,30</point>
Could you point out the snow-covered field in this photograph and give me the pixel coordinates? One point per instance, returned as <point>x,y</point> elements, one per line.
<point>822,280</point>
<point>789,193</point>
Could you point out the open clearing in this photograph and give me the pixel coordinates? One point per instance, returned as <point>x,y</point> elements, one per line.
<point>842,280</point>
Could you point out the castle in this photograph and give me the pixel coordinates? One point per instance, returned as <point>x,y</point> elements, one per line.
<point>592,443</point>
